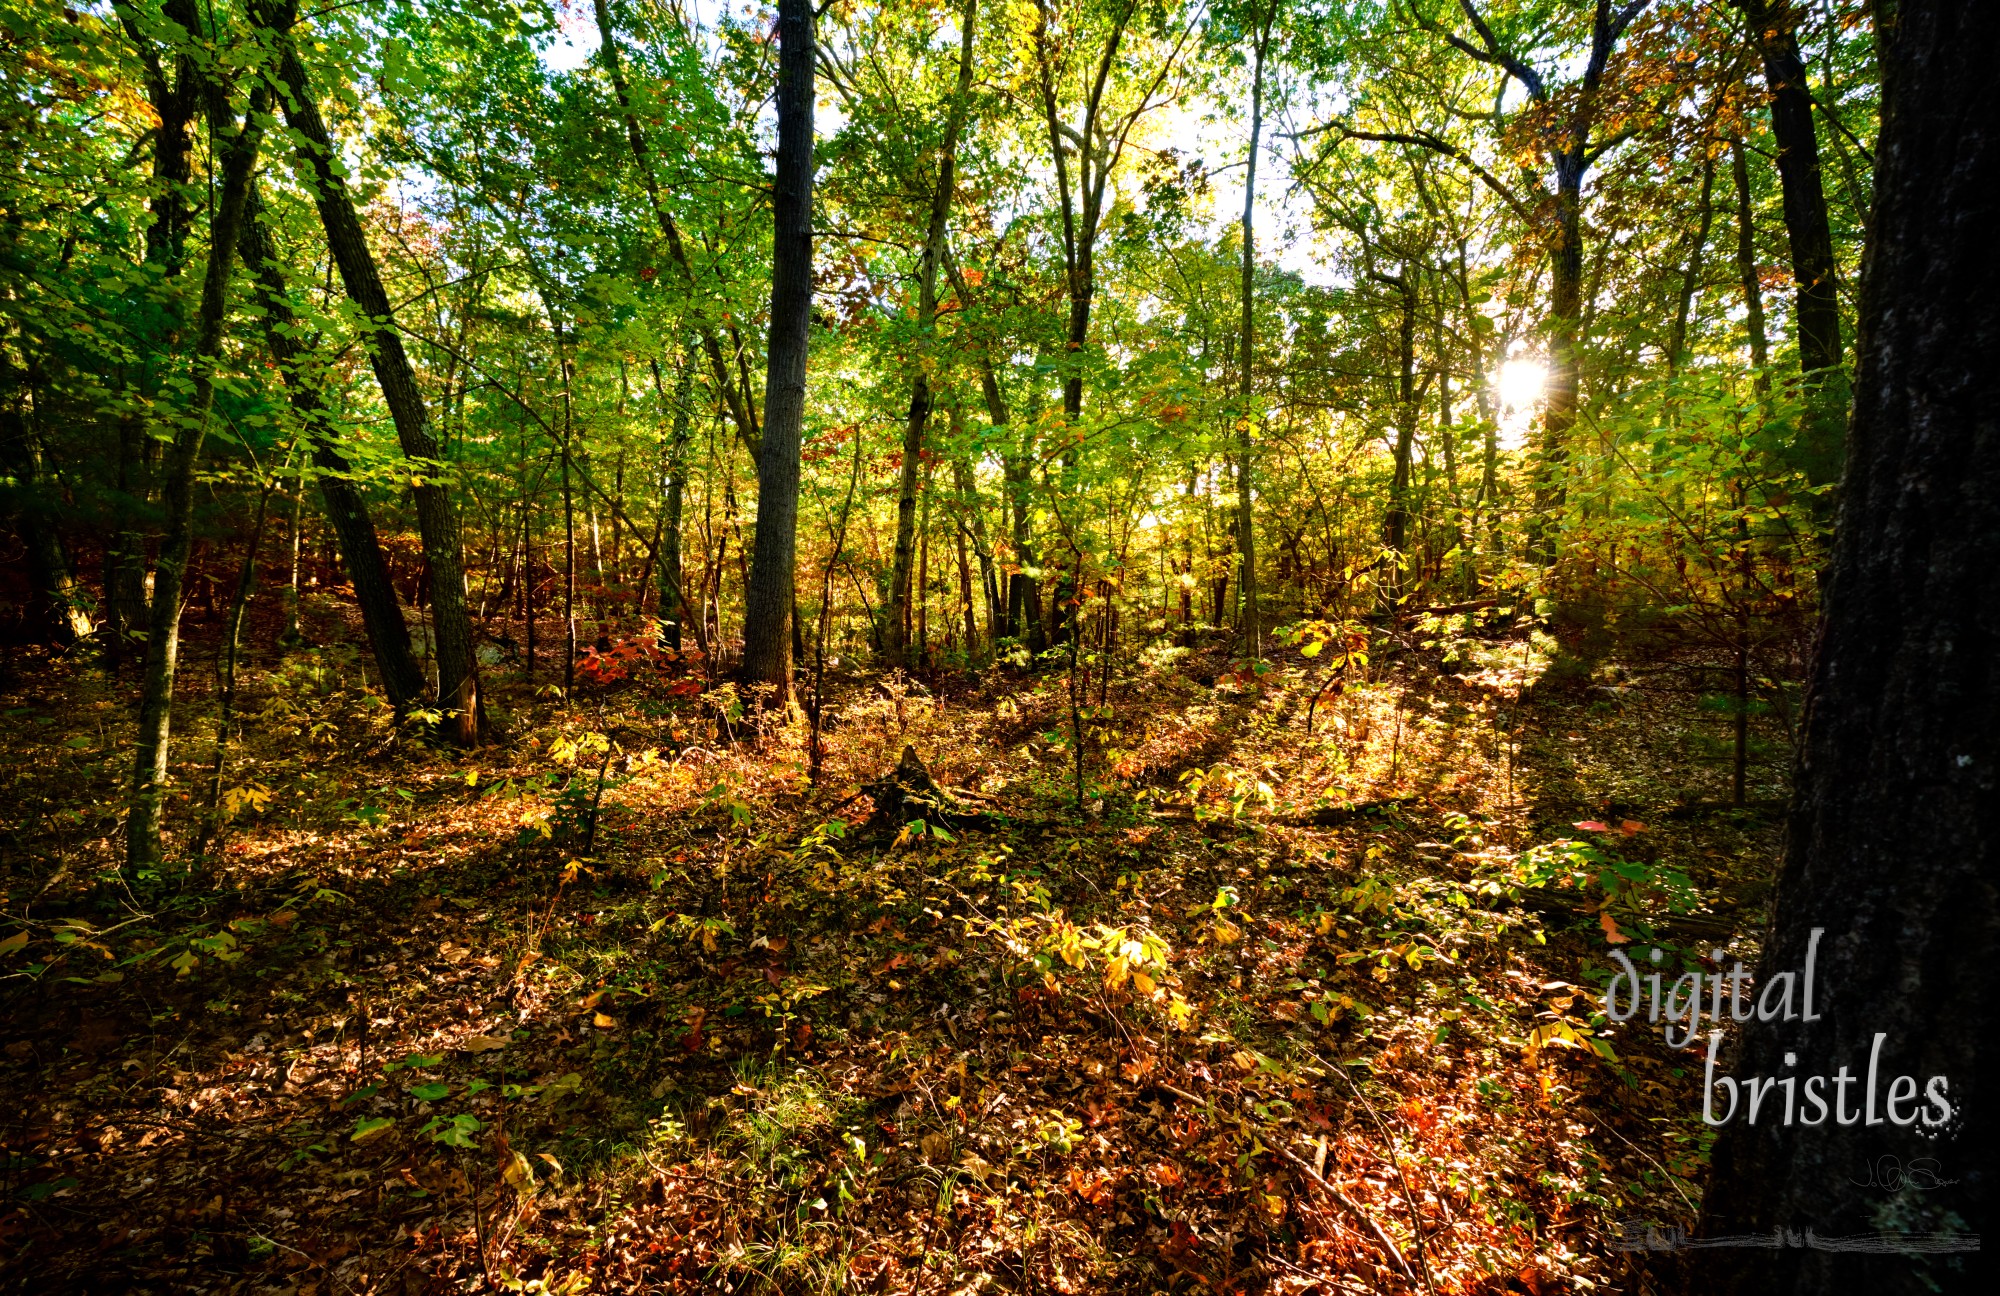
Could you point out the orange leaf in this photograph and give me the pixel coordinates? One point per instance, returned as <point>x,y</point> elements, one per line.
<point>1631,827</point>
<point>1611,932</point>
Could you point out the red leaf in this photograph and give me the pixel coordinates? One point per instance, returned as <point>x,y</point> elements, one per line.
<point>1592,825</point>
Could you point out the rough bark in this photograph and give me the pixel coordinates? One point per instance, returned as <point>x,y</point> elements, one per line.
<point>1895,826</point>
<point>767,628</point>
<point>437,517</point>
<point>346,510</point>
<point>238,151</point>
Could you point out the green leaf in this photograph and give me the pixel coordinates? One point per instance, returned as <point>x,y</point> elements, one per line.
<point>369,1126</point>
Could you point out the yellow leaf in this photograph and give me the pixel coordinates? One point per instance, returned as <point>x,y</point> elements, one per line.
<point>14,944</point>
<point>603,1021</point>
<point>1116,973</point>
<point>1143,983</point>
<point>517,1172</point>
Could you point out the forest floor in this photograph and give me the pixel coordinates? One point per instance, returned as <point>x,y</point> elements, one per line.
<point>1280,1008</point>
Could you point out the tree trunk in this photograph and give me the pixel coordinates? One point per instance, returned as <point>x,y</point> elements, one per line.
<point>920,386</point>
<point>1691,275</point>
<point>437,518</point>
<point>735,398</point>
<point>1396,526</point>
<point>1246,516</point>
<point>767,630</point>
<point>673,607</point>
<point>1816,311</point>
<point>57,608</point>
<point>1895,828</point>
<point>228,659</point>
<point>238,152</point>
<point>1746,265</point>
<point>292,635</point>
<point>1024,593</point>
<point>346,510</point>
<point>125,557</point>
<point>1564,329</point>
<point>173,90</point>
<point>973,522</point>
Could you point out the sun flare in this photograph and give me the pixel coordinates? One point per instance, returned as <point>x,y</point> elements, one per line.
<point>1519,385</point>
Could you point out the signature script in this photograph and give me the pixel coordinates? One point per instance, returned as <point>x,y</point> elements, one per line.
<point>1891,1175</point>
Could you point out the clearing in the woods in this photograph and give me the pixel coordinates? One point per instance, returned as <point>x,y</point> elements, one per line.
<point>1303,997</point>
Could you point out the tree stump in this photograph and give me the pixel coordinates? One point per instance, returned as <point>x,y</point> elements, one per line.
<point>908,792</point>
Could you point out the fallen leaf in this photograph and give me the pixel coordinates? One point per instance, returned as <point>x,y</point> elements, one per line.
<point>1610,926</point>
<point>485,1043</point>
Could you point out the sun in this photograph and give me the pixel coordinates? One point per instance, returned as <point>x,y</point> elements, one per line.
<point>1519,385</point>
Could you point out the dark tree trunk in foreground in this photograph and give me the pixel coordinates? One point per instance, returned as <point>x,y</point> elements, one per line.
<point>1895,833</point>
<point>767,616</point>
<point>437,518</point>
<point>354,531</point>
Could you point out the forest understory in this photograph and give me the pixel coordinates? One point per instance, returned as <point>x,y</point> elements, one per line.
<point>1304,998</point>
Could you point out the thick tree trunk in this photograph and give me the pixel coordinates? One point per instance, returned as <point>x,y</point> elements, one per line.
<point>437,518</point>
<point>1564,338</point>
<point>1895,831</point>
<point>346,510</point>
<point>767,629</point>
<point>1816,310</point>
<point>238,152</point>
